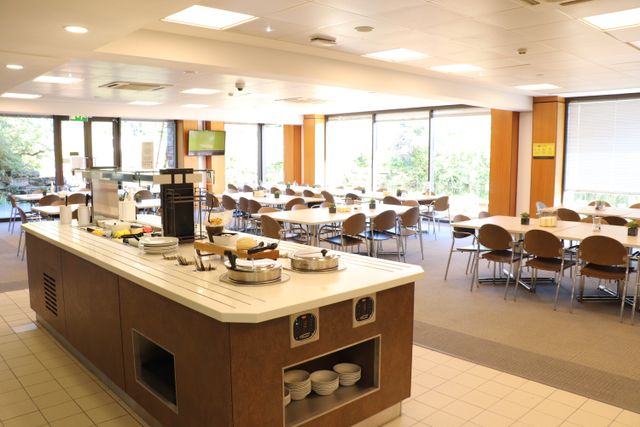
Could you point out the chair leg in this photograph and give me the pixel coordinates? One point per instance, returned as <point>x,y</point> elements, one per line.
<point>446,272</point>
<point>515,290</point>
<point>24,249</point>
<point>635,300</point>
<point>420,237</point>
<point>474,278</point>
<point>624,296</point>
<point>20,242</point>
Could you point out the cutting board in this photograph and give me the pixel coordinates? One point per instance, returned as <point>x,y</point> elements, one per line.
<point>219,250</point>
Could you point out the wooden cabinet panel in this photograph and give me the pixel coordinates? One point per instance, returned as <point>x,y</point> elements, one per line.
<point>93,315</point>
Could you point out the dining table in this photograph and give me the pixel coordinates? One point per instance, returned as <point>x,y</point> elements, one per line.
<point>270,200</point>
<point>51,210</point>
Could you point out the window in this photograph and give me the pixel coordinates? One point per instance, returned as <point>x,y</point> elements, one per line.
<point>27,161</point>
<point>602,152</point>
<point>102,143</point>
<point>349,151</point>
<point>401,151</point>
<point>241,154</point>
<point>461,145</point>
<point>272,154</point>
<point>72,153</point>
<point>136,132</point>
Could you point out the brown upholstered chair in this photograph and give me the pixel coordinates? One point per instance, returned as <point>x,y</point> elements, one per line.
<point>501,249</point>
<point>614,220</point>
<point>350,233</point>
<point>232,188</point>
<point>142,195</point>
<point>308,193</point>
<point>391,200</point>
<point>437,212</point>
<point>271,228</point>
<point>410,225</point>
<point>483,214</point>
<point>565,214</point>
<point>77,199</point>
<point>48,200</point>
<point>380,226</point>
<point>635,206</point>
<point>294,201</point>
<point>352,196</point>
<point>274,190</point>
<point>328,196</point>
<point>602,202</point>
<point>290,192</point>
<point>459,233</point>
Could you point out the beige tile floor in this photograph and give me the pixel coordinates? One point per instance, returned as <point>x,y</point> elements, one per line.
<point>43,385</point>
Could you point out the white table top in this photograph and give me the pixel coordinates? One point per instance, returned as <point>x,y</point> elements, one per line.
<point>322,215</point>
<point>148,204</point>
<point>34,197</point>
<point>51,210</point>
<point>154,221</point>
<point>205,293</point>
<point>269,199</point>
<point>512,224</point>
<point>606,211</point>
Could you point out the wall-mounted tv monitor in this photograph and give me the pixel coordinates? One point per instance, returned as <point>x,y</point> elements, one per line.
<point>206,142</point>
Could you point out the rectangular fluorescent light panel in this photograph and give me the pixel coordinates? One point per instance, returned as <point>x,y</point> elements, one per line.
<point>538,86</point>
<point>57,80</point>
<point>209,17</point>
<point>145,103</point>
<point>456,68</point>
<point>397,55</point>
<point>194,105</point>
<point>20,95</point>
<point>200,91</point>
<point>615,20</point>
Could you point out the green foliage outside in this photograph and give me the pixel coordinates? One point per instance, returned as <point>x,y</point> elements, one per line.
<point>462,172</point>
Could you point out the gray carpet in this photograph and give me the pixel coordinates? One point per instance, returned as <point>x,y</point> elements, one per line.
<point>13,271</point>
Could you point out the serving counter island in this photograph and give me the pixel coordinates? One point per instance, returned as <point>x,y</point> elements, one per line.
<point>187,349</point>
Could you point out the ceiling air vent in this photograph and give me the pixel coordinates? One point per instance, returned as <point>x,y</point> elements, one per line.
<point>302,100</point>
<point>566,2</point>
<point>140,87</point>
<point>531,2</point>
<point>322,40</point>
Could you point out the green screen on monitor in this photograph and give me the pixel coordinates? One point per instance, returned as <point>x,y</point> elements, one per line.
<point>206,142</point>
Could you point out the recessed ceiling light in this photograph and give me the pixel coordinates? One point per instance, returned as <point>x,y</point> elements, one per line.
<point>456,68</point>
<point>145,103</point>
<point>397,55</point>
<point>268,29</point>
<point>76,29</point>
<point>57,80</point>
<point>363,28</point>
<point>194,105</point>
<point>14,66</point>
<point>20,95</point>
<point>200,91</point>
<point>538,86</point>
<point>209,17</point>
<point>615,20</point>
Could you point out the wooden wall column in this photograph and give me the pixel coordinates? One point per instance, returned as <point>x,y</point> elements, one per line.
<point>503,173</point>
<point>216,163</point>
<point>548,150</point>
<point>292,153</point>
<point>211,162</point>
<point>309,142</point>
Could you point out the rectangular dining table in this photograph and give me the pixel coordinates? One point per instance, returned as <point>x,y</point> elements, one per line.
<point>270,200</point>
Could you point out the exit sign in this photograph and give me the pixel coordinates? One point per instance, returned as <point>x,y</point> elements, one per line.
<point>79,118</point>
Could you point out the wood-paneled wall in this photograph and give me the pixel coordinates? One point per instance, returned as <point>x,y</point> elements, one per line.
<point>309,142</point>
<point>503,173</point>
<point>292,153</point>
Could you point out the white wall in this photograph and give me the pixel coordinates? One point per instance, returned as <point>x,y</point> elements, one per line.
<point>524,162</point>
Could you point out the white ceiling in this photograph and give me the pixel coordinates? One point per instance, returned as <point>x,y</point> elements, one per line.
<point>133,44</point>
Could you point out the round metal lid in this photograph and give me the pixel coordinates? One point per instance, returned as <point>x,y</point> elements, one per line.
<point>316,255</point>
<point>254,265</point>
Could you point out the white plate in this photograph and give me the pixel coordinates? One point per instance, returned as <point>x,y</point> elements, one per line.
<point>159,241</point>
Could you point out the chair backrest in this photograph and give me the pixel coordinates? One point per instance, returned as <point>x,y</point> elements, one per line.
<point>212,201</point>
<point>48,200</point>
<point>77,199</point>
<point>228,203</point>
<point>381,189</point>
<point>308,193</point>
<point>294,201</point>
<point>410,218</point>
<point>232,188</point>
<point>441,204</point>
<point>328,196</point>
<point>289,192</point>
<point>483,214</point>
<point>602,202</point>
<point>267,209</point>
<point>410,203</point>
<point>243,204</point>
<point>355,224</point>
<point>384,220</point>
<point>23,216</point>
<point>247,189</point>
<point>614,220</point>
<point>58,202</point>
<point>274,190</point>
<point>270,227</point>
<point>352,196</point>
<point>299,207</point>
<point>254,206</point>
<point>565,214</point>
<point>142,195</point>
<point>602,250</point>
<point>635,206</point>
<point>391,200</point>
<point>494,237</point>
<point>461,232</point>
<point>541,243</point>
<point>12,200</point>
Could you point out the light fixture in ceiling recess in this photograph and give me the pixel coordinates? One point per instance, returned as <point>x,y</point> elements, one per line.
<point>144,103</point>
<point>209,17</point>
<point>194,105</point>
<point>14,66</point>
<point>397,55</point>
<point>322,40</point>
<point>268,29</point>
<point>614,20</point>
<point>76,29</point>
<point>20,95</point>
<point>456,68</point>
<point>200,91</point>
<point>57,80</point>
<point>363,28</point>
<point>538,86</point>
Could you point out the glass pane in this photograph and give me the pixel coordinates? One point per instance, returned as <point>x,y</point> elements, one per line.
<point>349,152</point>
<point>102,143</point>
<point>241,154</point>
<point>134,133</point>
<point>401,156</point>
<point>272,154</point>
<point>460,160</point>
<point>27,161</point>
<point>72,153</point>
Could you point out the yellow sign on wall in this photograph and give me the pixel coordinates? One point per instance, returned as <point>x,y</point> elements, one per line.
<point>544,149</point>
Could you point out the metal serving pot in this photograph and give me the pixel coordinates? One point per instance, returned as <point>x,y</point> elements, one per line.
<point>256,271</point>
<point>314,260</point>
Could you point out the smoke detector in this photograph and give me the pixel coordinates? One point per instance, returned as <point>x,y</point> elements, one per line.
<point>322,40</point>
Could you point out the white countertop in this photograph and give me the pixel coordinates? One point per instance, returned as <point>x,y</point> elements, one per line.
<point>205,293</point>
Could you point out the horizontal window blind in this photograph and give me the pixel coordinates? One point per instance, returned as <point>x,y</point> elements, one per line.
<point>603,146</point>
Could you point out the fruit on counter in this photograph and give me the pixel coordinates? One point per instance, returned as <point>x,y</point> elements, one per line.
<point>245,243</point>
<point>120,233</point>
<point>97,233</point>
<point>215,221</point>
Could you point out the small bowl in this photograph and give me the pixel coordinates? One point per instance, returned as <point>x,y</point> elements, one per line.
<point>296,376</point>
<point>347,368</point>
<point>212,230</point>
<point>323,377</point>
<point>287,397</point>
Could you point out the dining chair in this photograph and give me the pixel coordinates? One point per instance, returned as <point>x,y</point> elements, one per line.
<point>545,252</point>
<point>247,189</point>
<point>635,206</point>
<point>230,205</point>
<point>48,200</point>
<point>353,197</point>
<point>379,232</point>
<point>308,193</point>
<point>232,188</point>
<point>141,195</point>
<point>77,199</point>
<point>271,228</point>
<point>211,201</point>
<point>436,212</point>
<point>328,196</point>
<point>589,220</point>
<point>410,225</point>
<point>289,192</point>
<point>483,214</point>
<point>350,234</point>
<point>391,200</point>
<point>603,258</point>
<point>614,220</point>
<point>500,249</point>
<point>274,190</point>
<point>253,208</point>
<point>459,233</point>
<point>22,242</point>
<point>15,215</point>
<point>565,214</point>
<point>410,203</point>
<point>243,209</point>
<point>292,202</point>
<point>601,202</point>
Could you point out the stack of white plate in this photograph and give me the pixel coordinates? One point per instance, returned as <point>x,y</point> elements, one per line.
<point>298,382</point>
<point>287,397</point>
<point>324,382</point>
<point>158,245</point>
<point>349,373</point>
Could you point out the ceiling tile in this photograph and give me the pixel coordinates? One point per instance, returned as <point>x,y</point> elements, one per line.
<point>627,34</point>
<point>253,7</point>
<point>380,28</point>
<point>555,30</point>
<point>370,7</point>
<point>462,28</point>
<point>419,17</point>
<point>314,15</point>
<point>522,17</point>
<point>477,7</point>
<point>279,29</point>
<point>532,49</point>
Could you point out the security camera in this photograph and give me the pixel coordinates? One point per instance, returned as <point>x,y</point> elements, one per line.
<point>522,51</point>
<point>240,85</point>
